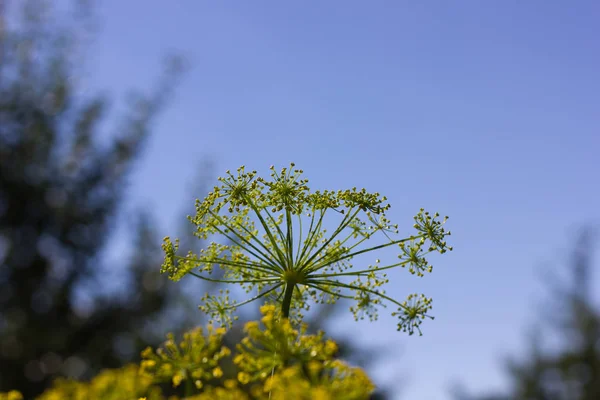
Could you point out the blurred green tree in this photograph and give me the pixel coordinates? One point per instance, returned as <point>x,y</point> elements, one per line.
<point>62,180</point>
<point>571,372</point>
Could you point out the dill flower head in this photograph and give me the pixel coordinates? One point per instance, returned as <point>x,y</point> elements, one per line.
<point>196,358</point>
<point>278,345</point>
<point>293,247</point>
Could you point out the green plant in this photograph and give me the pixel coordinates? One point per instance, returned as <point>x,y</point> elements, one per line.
<point>269,251</point>
<point>303,368</point>
<point>279,249</point>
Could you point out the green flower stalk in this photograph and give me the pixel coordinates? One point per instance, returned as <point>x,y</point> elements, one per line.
<point>278,249</point>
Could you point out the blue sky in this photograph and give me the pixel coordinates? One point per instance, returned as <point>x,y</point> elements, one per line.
<point>487,111</point>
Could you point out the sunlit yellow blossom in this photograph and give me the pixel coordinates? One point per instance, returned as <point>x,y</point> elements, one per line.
<point>196,358</point>
<point>12,395</point>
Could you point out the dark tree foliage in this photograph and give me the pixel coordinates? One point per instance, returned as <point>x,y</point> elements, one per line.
<point>62,179</point>
<point>573,371</point>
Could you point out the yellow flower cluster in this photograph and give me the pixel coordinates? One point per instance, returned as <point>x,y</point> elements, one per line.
<point>278,346</point>
<point>196,358</point>
<point>288,364</point>
<point>275,361</point>
<point>12,395</point>
<point>111,384</point>
<point>338,381</point>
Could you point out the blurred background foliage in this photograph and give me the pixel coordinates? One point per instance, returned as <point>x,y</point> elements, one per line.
<point>571,369</point>
<point>65,310</point>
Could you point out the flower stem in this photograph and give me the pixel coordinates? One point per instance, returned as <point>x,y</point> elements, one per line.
<point>287,299</point>
<point>189,388</point>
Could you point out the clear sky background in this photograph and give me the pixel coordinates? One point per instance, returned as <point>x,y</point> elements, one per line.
<point>487,111</point>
